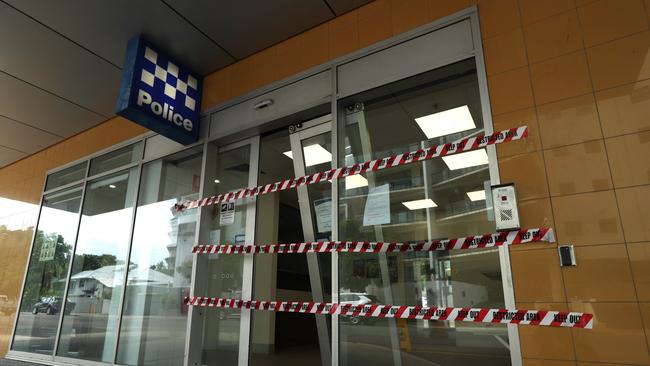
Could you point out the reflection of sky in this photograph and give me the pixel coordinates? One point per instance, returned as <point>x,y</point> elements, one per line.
<point>16,215</point>
<point>151,235</point>
<point>58,221</point>
<point>106,233</point>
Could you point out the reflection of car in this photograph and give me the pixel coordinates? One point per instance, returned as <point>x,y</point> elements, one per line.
<point>52,305</point>
<point>354,299</point>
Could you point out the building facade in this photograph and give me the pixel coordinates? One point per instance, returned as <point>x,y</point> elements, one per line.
<point>89,221</point>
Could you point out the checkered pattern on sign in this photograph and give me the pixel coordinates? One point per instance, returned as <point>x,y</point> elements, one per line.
<point>174,86</point>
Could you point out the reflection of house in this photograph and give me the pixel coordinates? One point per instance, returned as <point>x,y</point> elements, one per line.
<point>181,236</point>
<point>89,289</point>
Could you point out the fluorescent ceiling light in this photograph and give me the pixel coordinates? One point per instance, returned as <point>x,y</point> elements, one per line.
<point>112,186</point>
<point>419,204</point>
<point>446,122</point>
<point>355,181</point>
<point>476,196</point>
<point>217,181</point>
<point>466,160</point>
<point>314,155</point>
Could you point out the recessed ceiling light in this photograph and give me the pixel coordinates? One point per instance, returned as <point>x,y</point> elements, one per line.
<point>446,122</point>
<point>355,181</point>
<point>112,186</point>
<point>476,195</point>
<point>419,204</point>
<point>314,155</point>
<point>466,160</point>
<point>217,181</point>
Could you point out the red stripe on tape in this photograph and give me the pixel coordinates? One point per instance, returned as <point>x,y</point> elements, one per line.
<point>475,315</point>
<point>513,237</point>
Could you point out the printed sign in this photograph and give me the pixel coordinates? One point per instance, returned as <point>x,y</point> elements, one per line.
<point>323,211</point>
<point>227,214</point>
<point>377,210</point>
<point>159,94</point>
<point>47,250</point>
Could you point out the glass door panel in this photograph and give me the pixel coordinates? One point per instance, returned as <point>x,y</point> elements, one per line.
<point>439,198</point>
<point>312,147</point>
<point>286,217</point>
<point>228,171</point>
<point>89,329</point>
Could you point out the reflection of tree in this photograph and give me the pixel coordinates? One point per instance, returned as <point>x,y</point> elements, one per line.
<point>162,267</point>
<point>351,229</point>
<point>89,262</point>
<point>46,278</point>
<point>185,269</point>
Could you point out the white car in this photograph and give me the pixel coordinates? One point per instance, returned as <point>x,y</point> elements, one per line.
<point>357,298</point>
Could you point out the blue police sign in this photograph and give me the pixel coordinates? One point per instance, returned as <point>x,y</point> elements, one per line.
<point>159,94</point>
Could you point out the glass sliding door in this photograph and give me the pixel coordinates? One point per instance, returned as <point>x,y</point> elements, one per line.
<point>89,328</point>
<point>154,316</point>
<point>443,197</point>
<point>229,169</point>
<point>42,301</point>
<point>220,336</point>
<point>311,148</point>
<point>286,217</point>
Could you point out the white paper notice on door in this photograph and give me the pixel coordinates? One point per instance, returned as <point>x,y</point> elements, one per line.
<point>323,211</point>
<point>377,209</point>
<point>227,211</point>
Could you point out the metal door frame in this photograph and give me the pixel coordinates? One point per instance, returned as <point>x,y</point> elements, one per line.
<point>314,127</point>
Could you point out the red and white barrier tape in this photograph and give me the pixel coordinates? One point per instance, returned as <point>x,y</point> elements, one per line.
<point>513,237</point>
<point>463,145</point>
<point>476,315</point>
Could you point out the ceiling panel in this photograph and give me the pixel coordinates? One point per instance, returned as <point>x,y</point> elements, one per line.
<point>23,137</point>
<point>30,105</point>
<point>343,6</point>
<point>104,27</point>
<point>44,58</point>
<point>8,156</point>
<point>60,61</point>
<point>247,26</point>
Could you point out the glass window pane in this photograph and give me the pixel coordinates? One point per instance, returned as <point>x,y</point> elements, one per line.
<point>154,318</point>
<point>40,308</point>
<point>422,201</point>
<point>228,172</point>
<point>88,330</point>
<point>160,145</point>
<point>66,176</point>
<point>116,159</point>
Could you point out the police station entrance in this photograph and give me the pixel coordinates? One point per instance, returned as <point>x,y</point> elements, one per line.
<point>126,264</point>
<point>288,216</point>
